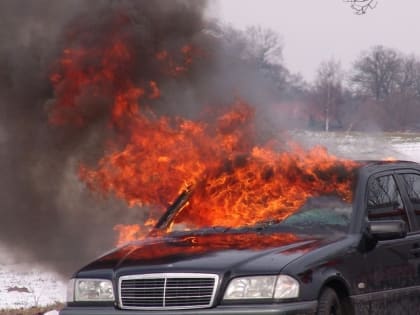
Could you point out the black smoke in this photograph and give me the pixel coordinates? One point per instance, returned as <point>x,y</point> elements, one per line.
<point>47,214</point>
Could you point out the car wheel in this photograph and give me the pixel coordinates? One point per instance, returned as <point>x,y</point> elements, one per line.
<point>329,303</point>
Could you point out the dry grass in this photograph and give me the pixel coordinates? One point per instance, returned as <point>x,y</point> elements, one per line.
<point>32,310</point>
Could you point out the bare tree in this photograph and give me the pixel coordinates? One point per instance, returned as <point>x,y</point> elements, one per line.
<point>328,90</point>
<point>390,82</point>
<point>362,6</point>
<point>404,103</point>
<point>409,78</point>
<point>265,48</point>
<point>267,45</point>
<point>376,72</point>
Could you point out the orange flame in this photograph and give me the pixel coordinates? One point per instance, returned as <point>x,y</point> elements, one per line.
<point>236,182</point>
<point>389,159</point>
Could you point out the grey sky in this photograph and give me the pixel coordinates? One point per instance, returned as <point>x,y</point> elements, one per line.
<point>315,31</point>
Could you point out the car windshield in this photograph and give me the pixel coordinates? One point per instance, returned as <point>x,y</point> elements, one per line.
<point>318,215</point>
<point>310,204</point>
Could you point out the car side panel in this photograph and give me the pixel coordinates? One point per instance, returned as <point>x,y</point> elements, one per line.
<point>340,261</point>
<point>389,279</point>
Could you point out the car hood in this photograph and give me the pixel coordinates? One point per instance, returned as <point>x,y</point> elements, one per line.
<point>254,252</point>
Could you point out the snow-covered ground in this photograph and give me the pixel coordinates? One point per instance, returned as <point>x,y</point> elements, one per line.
<point>364,146</point>
<point>24,285</point>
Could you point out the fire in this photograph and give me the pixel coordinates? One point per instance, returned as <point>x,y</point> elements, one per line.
<point>173,68</point>
<point>131,232</point>
<point>389,159</point>
<point>87,74</point>
<point>235,181</point>
<point>267,185</point>
<point>128,233</point>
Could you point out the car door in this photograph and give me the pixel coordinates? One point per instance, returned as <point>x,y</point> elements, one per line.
<point>409,180</point>
<point>389,277</point>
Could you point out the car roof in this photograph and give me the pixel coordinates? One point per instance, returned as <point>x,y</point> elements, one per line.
<point>373,166</point>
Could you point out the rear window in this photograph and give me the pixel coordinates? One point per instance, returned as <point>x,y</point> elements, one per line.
<point>412,185</point>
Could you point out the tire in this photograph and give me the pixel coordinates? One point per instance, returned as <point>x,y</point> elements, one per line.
<point>329,303</point>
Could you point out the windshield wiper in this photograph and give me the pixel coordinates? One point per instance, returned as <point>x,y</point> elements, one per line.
<point>173,209</point>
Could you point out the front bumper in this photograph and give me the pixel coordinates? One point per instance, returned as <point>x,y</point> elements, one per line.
<point>297,308</point>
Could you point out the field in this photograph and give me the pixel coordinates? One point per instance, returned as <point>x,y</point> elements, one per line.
<point>24,285</point>
<point>364,146</point>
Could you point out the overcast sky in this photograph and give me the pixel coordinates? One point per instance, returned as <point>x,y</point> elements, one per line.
<point>315,31</point>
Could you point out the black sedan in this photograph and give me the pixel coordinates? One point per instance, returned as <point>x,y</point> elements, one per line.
<point>331,256</point>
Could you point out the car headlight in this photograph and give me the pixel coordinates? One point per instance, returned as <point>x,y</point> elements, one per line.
<point>87,290</point>
<point>262,287</point>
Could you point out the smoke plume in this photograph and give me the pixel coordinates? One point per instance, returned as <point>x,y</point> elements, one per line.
<point>47,214</point>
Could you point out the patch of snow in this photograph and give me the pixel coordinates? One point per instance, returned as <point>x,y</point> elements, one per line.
<point>54,312</point>
<point>25,285</point>
<point>364,146</point>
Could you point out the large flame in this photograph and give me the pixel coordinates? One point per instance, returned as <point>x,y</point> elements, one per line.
<point>235,182</point>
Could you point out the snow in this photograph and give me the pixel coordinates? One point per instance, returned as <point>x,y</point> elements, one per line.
<point>23,285</point>
<point>364,146</point>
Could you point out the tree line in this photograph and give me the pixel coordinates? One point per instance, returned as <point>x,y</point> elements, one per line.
<point>380,91</point>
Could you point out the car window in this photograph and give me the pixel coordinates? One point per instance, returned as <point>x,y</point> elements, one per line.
<point>322,212</point>
<point>384,200</point>
<point>412,185</point>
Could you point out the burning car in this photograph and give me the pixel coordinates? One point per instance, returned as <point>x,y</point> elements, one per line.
<point>351,249</point>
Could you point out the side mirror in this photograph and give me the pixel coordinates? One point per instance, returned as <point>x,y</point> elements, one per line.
<point>386,230</point>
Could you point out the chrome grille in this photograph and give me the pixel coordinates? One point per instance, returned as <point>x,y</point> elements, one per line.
<point>167,291</point>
